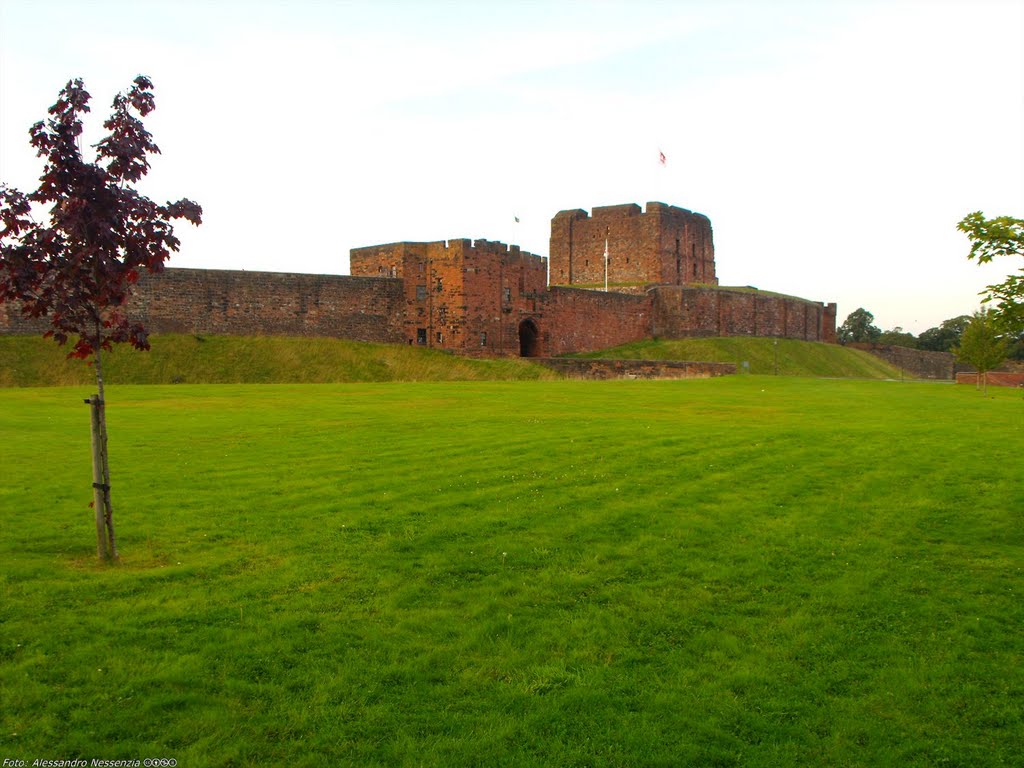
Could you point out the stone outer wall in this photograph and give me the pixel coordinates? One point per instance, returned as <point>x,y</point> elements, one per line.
<point>468,298</point>
<point>241,303</point>
<point>995,379</point>
<point>577,320</point>
<point>267,303</point>
<point>636,369</point>
<point>920,363</point>
<point>694,311</point>
<point>13,323</point>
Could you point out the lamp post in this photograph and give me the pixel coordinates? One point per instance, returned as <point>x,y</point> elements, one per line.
<point>775,345</point>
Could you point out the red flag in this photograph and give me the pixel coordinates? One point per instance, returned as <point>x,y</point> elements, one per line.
<point>661,157</point>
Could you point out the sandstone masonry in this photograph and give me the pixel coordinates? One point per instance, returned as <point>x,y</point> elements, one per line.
<point>486,298</point>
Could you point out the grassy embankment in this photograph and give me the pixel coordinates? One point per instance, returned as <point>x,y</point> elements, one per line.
<point>753,570</point>
<point>27,361</point>
<point>34,361</point>
<point>787,357</point>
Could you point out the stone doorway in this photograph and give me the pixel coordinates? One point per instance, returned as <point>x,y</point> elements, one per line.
<point>529,344</point>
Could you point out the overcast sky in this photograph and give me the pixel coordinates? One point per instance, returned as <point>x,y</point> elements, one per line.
<point>834,145</point>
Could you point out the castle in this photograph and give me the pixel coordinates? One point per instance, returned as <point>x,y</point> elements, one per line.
<point>617,275</point>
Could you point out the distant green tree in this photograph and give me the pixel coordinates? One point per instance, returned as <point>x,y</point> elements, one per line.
<point>999,236</point>
<point>1015,346</point>
<point>897,337</point>
<point>945,336</point>
<point>981,346</point>
<point>858,326</point>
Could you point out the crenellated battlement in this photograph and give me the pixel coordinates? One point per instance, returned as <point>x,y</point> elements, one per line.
<point>388,260</point>
<point>616,211</point>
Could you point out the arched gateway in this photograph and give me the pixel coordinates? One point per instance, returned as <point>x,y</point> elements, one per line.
<point>529,344</point>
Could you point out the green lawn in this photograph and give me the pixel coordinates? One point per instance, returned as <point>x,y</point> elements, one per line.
<point>755,571</point>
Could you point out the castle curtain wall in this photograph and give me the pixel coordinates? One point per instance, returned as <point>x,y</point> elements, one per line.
<point>576,320</point>
<point>682,312</point>
<point>255,303</point>
<point>475,319</point>
<point>267,303</point>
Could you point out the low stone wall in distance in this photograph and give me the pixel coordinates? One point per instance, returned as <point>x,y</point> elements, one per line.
<point>635,369</point>
<point>995,379</point>
<point>920,363</point>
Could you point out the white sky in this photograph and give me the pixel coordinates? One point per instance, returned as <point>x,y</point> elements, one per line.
<point>833,144</point>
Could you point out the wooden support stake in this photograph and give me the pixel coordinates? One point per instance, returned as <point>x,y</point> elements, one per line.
<point>98,496</point>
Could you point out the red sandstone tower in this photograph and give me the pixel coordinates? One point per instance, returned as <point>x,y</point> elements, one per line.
<point>663,245</point>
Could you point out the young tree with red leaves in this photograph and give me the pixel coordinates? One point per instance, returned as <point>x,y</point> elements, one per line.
<point>78,269</point>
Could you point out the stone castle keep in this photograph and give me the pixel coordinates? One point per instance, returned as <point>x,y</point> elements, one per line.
<point>487,298</point>
<point>664,246</point>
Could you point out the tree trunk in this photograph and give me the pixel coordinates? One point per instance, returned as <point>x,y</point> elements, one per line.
<point>104,461</point>
<point>98,501</point>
